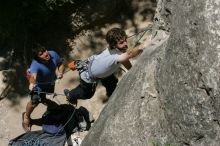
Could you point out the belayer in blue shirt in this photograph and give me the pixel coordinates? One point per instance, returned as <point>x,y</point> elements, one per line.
<point>45,68</point>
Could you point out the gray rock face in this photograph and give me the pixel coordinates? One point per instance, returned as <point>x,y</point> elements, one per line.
<point>188,77</point>
<point>171,95</point>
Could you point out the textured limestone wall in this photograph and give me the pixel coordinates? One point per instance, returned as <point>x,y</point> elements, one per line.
<point>188,77</point>
<point>125,120</point>
<point>171,96</point>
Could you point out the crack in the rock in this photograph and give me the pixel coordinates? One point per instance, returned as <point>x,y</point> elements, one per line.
<point>207,89</point>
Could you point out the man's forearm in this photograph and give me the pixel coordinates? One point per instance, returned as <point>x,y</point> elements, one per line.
<point>137,50</point>
<point>134,51</point>
<point>32,81</point>
<point>60,71</point>
<point>61,68</point>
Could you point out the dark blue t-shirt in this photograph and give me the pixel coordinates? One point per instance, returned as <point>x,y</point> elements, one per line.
<point>46,72</point>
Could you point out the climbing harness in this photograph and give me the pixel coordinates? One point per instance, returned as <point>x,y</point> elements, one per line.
<point>83,66</point>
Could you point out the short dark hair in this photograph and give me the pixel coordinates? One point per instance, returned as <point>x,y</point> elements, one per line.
<point>36,49</point>
<point>114,35</point>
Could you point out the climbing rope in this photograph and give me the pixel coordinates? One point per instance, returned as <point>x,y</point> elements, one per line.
<point>52,82</point>
<point>149,28</point>
<point>48,93</point>
<point>38,141</point>
<point>63,125</point>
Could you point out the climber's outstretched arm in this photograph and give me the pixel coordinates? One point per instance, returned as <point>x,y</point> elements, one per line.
<point>134,51</point>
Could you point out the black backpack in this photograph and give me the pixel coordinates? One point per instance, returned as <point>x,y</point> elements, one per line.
<point>57,126</point>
